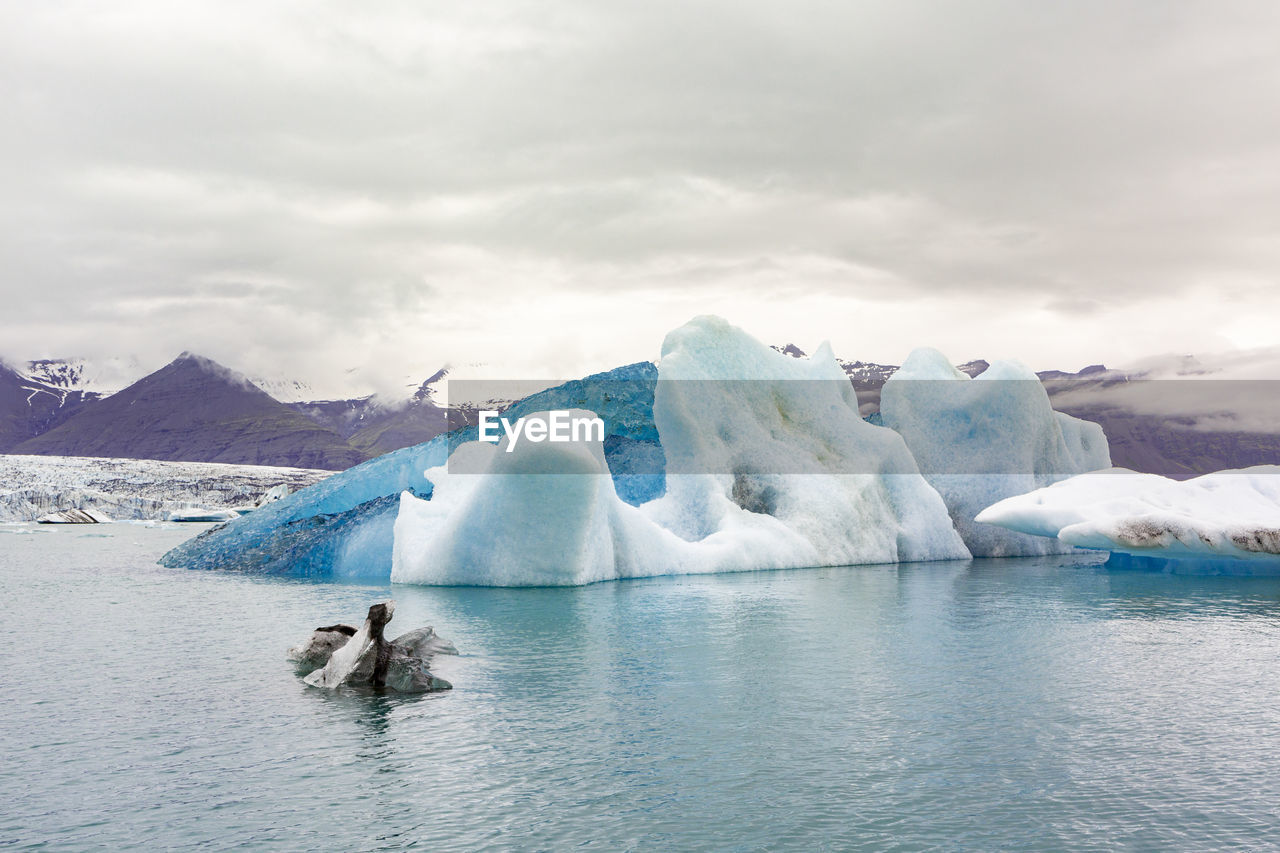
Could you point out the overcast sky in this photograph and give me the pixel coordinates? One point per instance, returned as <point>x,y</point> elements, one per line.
<point>546,188</point>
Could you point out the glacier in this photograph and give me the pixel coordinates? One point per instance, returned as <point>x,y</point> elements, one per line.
<point>1224,522</point>
<point>776,470</point>
<point>136,489</point>
<point>978,440</point>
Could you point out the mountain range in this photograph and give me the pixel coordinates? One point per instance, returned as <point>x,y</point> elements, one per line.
<point>195,410</point>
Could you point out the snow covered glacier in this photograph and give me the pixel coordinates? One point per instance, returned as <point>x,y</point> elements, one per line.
<point>1224,522</point>
<point>727,456</point>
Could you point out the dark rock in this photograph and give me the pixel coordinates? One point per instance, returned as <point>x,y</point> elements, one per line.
<point>366,659</point>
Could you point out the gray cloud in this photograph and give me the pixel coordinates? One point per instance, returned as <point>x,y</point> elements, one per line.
<point>548,187</point>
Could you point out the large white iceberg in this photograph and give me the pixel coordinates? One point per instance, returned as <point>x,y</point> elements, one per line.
<point>1227,515</point>
<point>768,466</point>
<point>982,439</point>
<point>728,456</point>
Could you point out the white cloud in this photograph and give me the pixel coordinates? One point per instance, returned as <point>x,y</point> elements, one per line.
<point>548,187</point>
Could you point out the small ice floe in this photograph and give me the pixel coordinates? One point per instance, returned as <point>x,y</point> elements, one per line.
<point>198,514</point>
<point>75,516</point>
<point>1221,518</point>
<point>338,655</point>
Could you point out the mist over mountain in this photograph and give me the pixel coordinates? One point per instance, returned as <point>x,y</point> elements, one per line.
<point>376,424</point>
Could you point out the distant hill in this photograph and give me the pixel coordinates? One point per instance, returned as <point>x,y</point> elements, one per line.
<point>195,410</point>
<point>1176,445</point>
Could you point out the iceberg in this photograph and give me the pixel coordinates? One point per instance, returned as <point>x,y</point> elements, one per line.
<point>978,440</point>
<point>342,527</point>
<point>726,456</point>
<point>769,465</point>
<point>201,514</point>
<point>1224,521</point>
<point>337,529</point>
<point>75,516</point>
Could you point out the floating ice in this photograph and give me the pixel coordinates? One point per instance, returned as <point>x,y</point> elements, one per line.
<point>1224,516</point>
<point>982,439</point>
<point>200,514</point>
<point>728,457</point>
<point>341,528</point>
<point>548,514</point>
<point>75,516</point>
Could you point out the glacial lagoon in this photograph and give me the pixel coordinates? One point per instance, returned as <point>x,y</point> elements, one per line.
<point>1031,703</point>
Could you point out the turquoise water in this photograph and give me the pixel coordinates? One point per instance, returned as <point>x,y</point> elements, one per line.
<point>1031,703</point>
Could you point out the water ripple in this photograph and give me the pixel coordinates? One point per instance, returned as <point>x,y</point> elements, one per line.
<point>1028,704</point>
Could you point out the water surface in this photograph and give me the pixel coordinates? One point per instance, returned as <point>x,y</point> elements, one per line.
<point>1029,703</point>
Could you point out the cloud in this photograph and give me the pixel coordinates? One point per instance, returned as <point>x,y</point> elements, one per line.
<point>1213,392</point>
<point>548,187</point>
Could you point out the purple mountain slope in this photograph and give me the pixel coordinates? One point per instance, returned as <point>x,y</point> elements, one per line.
<point>195,410</point>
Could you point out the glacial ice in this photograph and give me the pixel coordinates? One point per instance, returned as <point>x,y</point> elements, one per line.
<point>76,516</point>
<point>202,514</point>
<point>776,472</point>
<point>982,439</point>
<point>134,489</point>
<point>338,529</point>
<point>1227,517</point>
<point>342,528</point>
<point>728,456</point>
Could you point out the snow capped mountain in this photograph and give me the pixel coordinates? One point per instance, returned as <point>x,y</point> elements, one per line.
<point>870,375</point>
<point>100,377</point>
<point>287,391</point>
<point>195,410</point>
<point>29,408</point>
<point>353,387</point>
